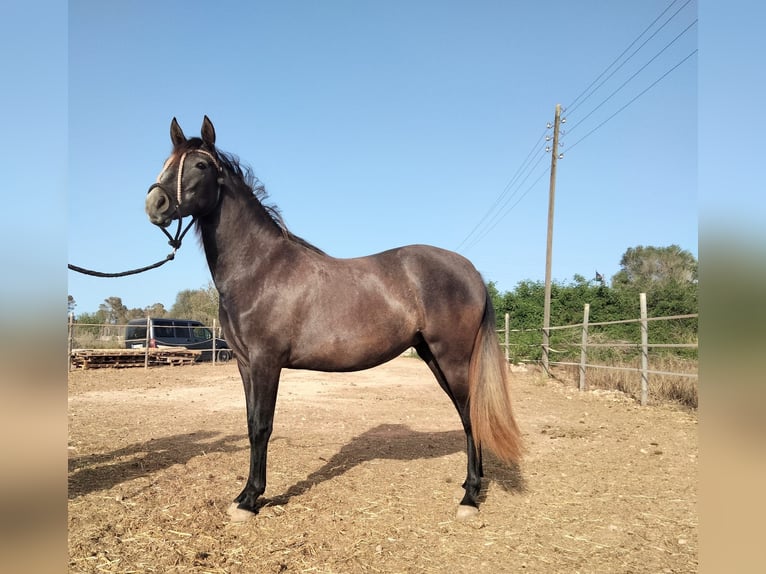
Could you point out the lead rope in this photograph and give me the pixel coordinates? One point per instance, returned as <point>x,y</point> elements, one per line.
<point>174,242</point>
<point>84,271</point>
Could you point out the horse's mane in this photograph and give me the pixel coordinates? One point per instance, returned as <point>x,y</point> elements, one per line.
<point>250,186</point>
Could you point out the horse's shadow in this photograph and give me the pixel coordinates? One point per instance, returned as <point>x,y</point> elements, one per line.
<point>91,473</point>
<point>399,442</point>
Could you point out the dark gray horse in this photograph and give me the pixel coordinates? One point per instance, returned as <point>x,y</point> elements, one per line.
<point>285,303</point>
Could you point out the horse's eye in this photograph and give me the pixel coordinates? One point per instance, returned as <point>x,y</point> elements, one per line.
<point>201,165</point>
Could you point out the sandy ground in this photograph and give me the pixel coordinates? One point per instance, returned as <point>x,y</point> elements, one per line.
<point>364,476</point>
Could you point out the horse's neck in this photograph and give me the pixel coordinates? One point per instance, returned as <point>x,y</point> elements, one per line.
<point>238,236</point>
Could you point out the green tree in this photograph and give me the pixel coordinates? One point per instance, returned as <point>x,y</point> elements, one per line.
<point>198,304</point>
<point>644,268</point>
<point>497,301</point>
<point>525,305</point>
<point>97,318</point>
<point>91,325</point>
<point>668,275</point>
<point>136,313</point>
<point>114,311</point>
<point>156,310</point>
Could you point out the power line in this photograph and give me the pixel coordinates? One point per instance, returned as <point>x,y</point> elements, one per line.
<point>573,105</point>
<point>638,50</point>
<point>506,189</point>
<point>625,83</point>
<point>501,211</point>
<point>502,204</point>
<point>508,186</point>
<point>657,81</point>
<point>499,216</point>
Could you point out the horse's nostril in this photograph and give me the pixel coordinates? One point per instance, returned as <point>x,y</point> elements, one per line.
<point>158,204</point>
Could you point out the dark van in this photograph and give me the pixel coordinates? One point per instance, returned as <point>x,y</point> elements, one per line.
<point>175,333</point>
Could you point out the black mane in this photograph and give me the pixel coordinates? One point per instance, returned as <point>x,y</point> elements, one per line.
<point>250,186</point>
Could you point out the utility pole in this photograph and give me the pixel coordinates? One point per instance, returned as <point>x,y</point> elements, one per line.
<point>549,245</point>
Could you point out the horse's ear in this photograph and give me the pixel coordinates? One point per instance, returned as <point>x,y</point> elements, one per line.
<point>208,132</point>
<point>176,133</point>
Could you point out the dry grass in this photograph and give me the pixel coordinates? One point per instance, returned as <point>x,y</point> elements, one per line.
<point>662,388</point>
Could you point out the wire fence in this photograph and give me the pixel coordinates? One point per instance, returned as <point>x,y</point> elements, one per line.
<point>587,346</point>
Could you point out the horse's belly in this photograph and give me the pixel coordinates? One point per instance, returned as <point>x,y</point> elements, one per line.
<point>338,353</point>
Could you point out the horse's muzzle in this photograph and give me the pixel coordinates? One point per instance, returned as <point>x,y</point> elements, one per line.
<point>160,206</point>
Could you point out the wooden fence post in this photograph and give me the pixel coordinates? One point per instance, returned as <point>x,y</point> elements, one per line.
<point>584,347</point>
<point>644,351</point>
<point>507,338</point>
<point>146,342</point>
<point>70,340</point>
<point>214,357</point>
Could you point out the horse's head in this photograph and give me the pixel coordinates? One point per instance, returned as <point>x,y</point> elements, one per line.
<point>190,181</point>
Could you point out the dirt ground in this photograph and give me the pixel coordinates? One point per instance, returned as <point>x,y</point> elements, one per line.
<point>364,476</point>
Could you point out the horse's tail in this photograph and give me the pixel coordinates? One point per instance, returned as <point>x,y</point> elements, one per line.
<point>489,397</point>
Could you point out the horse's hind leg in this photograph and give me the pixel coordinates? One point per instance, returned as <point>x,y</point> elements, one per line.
<point>454,381</point>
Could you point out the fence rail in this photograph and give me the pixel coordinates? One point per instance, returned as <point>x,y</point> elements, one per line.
<point>585,344</point>
<point>623,321</point>
<point>102,336</point>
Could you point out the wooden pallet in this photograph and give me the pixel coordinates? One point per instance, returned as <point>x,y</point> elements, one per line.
<point>120,358</point>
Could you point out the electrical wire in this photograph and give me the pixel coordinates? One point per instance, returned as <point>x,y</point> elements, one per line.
<point>500,215</point>
<point>571,109</point>
<point>574,104</point>
<point>657,81</point>
<point>502,206</point>
<point>506,189</point>
<point>626,82</point>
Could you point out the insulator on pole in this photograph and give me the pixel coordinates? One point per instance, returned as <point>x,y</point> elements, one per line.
<point>547,148</point>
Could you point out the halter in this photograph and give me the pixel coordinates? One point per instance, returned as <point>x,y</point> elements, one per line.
<point>181,171</point>
<point>175,242</point>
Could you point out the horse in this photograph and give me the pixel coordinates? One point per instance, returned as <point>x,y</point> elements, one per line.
<point>285,303</point>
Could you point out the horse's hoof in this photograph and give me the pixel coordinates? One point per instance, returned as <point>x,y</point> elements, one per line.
<point>238,514</point>
<point>464,512</point>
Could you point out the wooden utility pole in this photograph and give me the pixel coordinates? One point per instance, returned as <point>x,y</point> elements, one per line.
<point>549,245</point>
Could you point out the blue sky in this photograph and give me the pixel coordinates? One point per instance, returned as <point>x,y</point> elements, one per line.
<point>380,124</point>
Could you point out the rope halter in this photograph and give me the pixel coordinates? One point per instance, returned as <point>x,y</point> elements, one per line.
<point>181,172</point>
<point>175,242</point>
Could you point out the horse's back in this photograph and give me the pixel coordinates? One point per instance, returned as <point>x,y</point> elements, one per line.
<point>379,305</point>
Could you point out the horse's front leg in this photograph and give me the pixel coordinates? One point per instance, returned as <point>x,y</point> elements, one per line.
<point>261,386</point>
